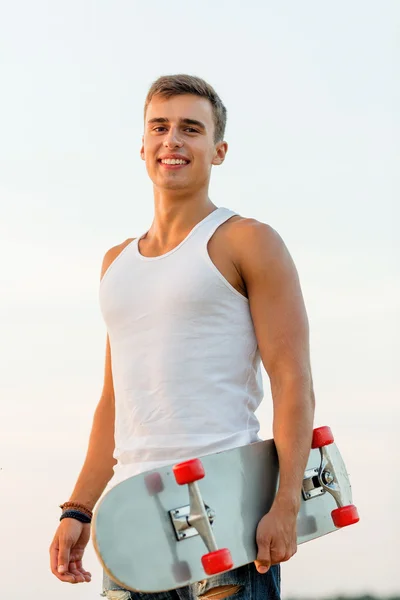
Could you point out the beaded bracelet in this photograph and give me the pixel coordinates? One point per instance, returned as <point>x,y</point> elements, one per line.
<point>76,505</point>
<point>75,514</point>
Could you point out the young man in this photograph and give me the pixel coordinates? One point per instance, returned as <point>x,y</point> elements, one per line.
<point>192,307</point>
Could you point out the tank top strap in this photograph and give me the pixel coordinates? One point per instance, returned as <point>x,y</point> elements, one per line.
<point>206,228</point>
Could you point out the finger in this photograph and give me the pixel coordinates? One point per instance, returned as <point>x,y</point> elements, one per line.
<point>263,561</point>
<point>63,558</point>
<point>79,572</point>
<point>279,554</point>
<point>79,577</point>
<point>76,557</point>
<point>282,552</point>
<point>262,566</point>
<point>80,568</point>
<point>67,577</point>
<point>86,576</point>
<point>53,557</point>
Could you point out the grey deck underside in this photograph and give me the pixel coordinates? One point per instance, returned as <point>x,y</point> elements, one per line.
<point>133,534</point>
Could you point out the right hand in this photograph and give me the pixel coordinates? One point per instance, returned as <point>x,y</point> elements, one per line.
<point>66,551</point>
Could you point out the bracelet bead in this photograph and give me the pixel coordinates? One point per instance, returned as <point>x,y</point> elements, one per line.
<point>77,506</point>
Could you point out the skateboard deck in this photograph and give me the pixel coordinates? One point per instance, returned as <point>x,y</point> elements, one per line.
<point>150,532</point>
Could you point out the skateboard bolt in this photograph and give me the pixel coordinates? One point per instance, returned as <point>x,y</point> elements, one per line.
<point>328,477</point>
<point>211,513</point>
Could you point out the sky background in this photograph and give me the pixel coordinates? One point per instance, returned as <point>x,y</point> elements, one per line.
<point>312,92</point>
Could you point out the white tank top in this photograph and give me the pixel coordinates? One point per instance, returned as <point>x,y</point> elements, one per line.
<point>185,360</point>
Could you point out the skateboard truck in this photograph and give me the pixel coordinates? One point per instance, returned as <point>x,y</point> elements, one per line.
<point>323,479</point>
<point>197,518</point>
<point>183,521</point>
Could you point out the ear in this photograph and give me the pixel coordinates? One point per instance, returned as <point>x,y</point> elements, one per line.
<point>220,152</point>
<point>142,149</point>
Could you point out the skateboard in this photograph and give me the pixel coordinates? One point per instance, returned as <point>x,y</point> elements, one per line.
<point>179,524</point>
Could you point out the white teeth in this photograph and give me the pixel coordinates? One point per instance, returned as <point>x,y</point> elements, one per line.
<point>173,161</point>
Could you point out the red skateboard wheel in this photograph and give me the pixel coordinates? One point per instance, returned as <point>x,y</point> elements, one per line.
<point>345,515</point>
<point>217,561</point>
<point>188,471</point>
<point>322,436</point>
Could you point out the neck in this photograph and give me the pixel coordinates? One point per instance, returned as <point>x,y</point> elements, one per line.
<point>176,214</point>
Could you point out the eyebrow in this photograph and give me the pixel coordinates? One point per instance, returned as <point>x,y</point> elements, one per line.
<point>181,122</point>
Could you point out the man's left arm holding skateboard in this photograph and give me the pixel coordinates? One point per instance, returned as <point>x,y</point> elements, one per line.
<point>281,326</point>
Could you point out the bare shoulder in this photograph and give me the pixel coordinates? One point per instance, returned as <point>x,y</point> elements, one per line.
<point>112,254</point>
<point>246,228</point>
<point>254,241</point>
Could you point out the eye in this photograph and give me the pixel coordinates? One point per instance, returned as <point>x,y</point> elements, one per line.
<point>191,130</point>
<point>157,128</point>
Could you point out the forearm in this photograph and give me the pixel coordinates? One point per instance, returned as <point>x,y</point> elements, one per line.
<point>292,430</point>
<point>98,466</point>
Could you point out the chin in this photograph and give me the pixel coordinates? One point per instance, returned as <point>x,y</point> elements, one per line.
<point>174,185</point>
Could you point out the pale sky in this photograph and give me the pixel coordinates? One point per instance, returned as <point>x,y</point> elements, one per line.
<point>311,90</point>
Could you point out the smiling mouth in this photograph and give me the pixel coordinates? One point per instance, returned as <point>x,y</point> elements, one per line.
<point>173,163</point>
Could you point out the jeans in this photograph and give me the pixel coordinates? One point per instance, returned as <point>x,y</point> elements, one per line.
<point>247,584</point>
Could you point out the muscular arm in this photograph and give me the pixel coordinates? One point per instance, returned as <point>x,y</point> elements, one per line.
<point>71,537</point>
<point>281,327</point>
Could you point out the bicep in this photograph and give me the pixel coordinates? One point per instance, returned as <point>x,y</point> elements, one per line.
<point>277,306</point>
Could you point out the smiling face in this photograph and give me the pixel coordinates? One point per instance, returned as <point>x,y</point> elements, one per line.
<point>178,143</point>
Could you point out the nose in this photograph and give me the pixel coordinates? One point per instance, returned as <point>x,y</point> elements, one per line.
<point>172,140</point>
